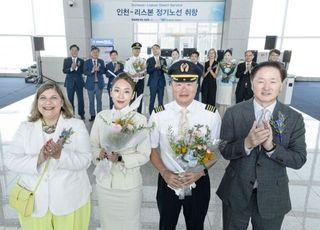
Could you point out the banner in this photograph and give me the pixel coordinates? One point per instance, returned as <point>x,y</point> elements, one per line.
<point>157,11</point>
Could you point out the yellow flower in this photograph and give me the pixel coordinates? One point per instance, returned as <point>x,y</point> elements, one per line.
<point>184,149</point>
<point>207,157</point>
<point>178,149</point>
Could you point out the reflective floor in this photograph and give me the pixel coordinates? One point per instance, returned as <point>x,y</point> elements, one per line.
<point>304,183</point>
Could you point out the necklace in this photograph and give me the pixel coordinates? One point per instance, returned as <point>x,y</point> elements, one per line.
<point>48,128</point>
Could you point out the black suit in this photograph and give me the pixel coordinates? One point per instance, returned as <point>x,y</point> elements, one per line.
<point>244,90</point>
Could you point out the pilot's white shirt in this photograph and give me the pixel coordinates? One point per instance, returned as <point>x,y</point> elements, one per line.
<point>169,117</point>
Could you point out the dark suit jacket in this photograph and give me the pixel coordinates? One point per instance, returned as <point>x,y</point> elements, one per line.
<point>244,79</point>
<point>156,75</point>
<point>110,67</point>
<point>88,65</point>
<point>237,183</point>
<point>73,78</point>
<point>201,69</point>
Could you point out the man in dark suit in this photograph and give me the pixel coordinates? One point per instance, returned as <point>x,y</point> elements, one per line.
<point>113,68</point>
<point>243,90</point>
<point>255,184</point>
<point>194,57</point>
<point>156,66</point>
<point>73,68</point>
<point>94,70</point>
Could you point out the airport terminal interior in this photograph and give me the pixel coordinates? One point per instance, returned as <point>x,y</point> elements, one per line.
<point>33,50</point>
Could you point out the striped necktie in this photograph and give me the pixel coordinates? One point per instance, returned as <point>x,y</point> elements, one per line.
<point>183,121</point>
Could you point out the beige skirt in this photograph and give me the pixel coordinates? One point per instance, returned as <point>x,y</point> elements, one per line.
<point>119,209</point>
<point>224,94</point>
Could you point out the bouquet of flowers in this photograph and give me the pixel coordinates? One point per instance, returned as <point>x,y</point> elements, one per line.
<point>227,69</point>
<point>192,151</point>
<point>122,134</point>
<point>139,65</point>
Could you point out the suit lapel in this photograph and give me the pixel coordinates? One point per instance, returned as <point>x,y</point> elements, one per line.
<point>37,137</point>
<point>248,112</point>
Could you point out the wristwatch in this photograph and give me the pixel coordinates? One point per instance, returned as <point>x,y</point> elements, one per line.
<point>119,158</point>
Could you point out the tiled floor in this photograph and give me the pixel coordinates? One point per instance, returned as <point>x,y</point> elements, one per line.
<point>304,183</point>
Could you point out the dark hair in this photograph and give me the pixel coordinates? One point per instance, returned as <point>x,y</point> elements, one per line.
<point>74,45</point>
<point>66,109</point>
<point>274,51</point>
<point>195,52</point>
<point>227,51</point>
<point>156,45</point>
<point>94,48</point>
<point>113,51</point>
<point>247,51</point>
<point>272,64</point>
<point>126,77</point>
<point>175,49</point>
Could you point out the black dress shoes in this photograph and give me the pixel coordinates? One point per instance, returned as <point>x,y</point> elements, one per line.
<point>92,118</point>
<point>82,117</point>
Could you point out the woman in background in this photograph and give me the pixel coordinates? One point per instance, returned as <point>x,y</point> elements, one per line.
<point>209,85</point>
<point>175,56</point>
<point>62,200</point>
<point>119,188</point>
<point>225,80</point>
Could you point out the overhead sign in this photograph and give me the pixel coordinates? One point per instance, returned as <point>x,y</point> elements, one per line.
<point>157,11</point>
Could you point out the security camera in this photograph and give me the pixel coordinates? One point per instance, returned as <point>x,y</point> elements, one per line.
<point>71,3</point>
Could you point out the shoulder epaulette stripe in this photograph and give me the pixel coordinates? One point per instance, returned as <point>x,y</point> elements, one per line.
<point>211,108</point>
<point>158,109</point>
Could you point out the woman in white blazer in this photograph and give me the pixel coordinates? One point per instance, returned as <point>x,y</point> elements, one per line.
<point>62,200</point>
<point>119,190</point>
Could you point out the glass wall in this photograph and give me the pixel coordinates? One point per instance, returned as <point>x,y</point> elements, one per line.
<point>22,19</point>
<point>170,35</point>
<point>295,24</point>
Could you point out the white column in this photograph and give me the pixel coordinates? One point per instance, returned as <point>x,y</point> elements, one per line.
<point>237,26</point>
<point>78,25</point>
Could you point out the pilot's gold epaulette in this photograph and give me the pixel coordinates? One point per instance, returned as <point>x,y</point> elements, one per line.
<point>159,109</point>
<point>211,108</point>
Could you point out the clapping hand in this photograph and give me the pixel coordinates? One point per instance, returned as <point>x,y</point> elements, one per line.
<point>117,67</point>
<point>73,65</point>
<point>50,149</point>
<point>53,149</point>
<point>258,135</point>
<point>268,144</point>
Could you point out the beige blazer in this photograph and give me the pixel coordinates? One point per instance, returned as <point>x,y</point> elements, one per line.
<point>132,158</point>
<point>65,186</point>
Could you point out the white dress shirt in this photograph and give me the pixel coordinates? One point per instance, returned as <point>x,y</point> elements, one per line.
<point>197,114</point>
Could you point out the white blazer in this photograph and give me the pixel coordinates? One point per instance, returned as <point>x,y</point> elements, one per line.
<point>65,186</point>
<point>132,158</point>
